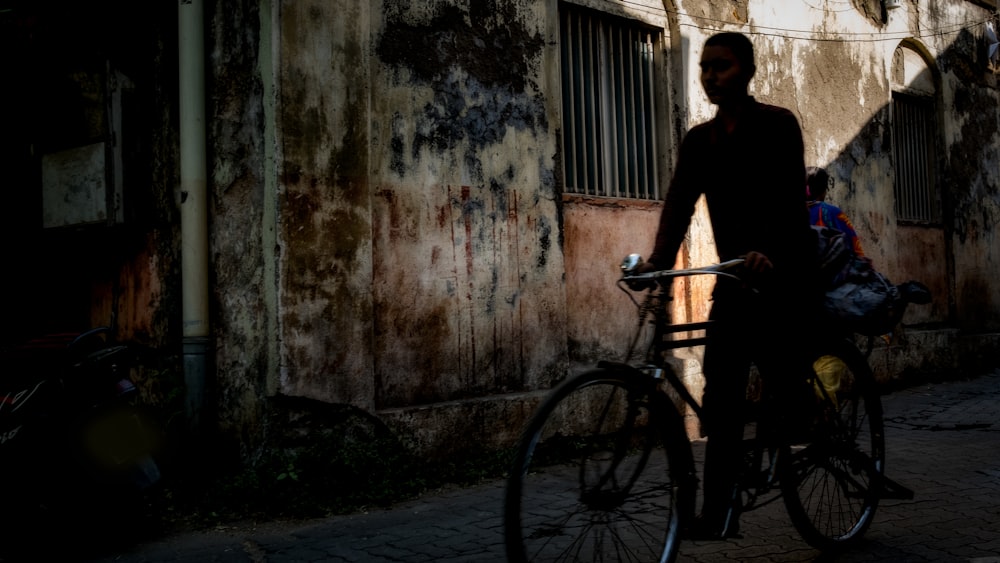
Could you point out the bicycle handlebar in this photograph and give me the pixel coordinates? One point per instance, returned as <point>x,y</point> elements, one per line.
<point>721,269</point>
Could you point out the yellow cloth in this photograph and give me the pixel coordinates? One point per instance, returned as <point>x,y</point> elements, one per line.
<point>830,370</point>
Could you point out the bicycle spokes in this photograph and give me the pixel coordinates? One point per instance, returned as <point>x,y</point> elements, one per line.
<point>596,482</point>
<point>832,484</point>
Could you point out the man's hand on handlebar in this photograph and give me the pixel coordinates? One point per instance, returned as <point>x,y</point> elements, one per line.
<point>757,263</point>
<point>642,268</point>
<point>645,268</point>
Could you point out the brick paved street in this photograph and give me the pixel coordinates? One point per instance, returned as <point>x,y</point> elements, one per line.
<point>943,442</point>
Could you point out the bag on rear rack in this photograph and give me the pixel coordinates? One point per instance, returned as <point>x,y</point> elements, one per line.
<point>866,301</point>
<point>856,296</point>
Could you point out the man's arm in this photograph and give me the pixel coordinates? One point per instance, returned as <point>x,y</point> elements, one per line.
<point>678,207</point>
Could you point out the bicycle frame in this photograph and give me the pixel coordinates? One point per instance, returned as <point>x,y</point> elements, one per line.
<point>762,480</point>
<point>664,340</point>
<point>655,303</point>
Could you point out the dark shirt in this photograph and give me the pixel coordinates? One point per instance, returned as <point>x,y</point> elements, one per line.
<point>752,180</point>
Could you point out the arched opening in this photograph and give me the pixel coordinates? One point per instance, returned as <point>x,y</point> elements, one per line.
<point>923,251</point>
<point>915,131</point>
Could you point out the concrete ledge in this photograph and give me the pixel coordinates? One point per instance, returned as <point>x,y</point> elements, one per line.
<point>494,423</point>
<point>441,430</point>
<point>914,354</point>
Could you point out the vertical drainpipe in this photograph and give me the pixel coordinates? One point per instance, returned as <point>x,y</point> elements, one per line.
<point>193,203</point>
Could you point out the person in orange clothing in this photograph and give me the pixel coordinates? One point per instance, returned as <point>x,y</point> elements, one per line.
<point>825,214</point>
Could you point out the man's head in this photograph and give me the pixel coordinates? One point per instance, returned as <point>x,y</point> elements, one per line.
<point>817,182</point>
<point>727,66</point>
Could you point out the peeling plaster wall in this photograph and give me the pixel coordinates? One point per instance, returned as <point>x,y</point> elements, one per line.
<point>467,249</point>
<point>325,311</point>
<point>599,233</point>
<point>387,228</point>
<point>241,320</point>
<point>421,257</point>
<point>427,267</point>
<point>971,180</point>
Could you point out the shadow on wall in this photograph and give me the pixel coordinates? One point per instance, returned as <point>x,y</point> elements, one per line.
<point>944,236</point>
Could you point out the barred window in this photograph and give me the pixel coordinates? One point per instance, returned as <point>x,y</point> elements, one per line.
<point>608,87</point>
<point>912,132</point>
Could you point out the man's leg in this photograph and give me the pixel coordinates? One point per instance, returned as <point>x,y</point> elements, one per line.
<point>784,353</point>
<point>726,370</point>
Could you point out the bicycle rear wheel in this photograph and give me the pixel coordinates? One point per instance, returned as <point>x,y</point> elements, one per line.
<point>592,477</point>
<point>832,485</point>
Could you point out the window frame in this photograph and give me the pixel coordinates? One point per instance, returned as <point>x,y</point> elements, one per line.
<point>917,201</point>
<point>610,105</point>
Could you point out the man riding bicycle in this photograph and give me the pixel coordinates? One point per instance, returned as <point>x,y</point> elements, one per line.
<point>748,163</point>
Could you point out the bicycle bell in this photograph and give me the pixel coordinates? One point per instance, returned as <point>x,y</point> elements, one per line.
<point>630,263</point>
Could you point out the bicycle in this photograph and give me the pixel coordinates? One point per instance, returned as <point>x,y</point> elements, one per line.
<point>605,469</point>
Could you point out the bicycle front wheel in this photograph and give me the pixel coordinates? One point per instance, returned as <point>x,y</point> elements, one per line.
<point>831,486</point>
<point>592,477</point>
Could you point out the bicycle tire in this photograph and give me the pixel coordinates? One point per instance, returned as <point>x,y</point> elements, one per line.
<point>831,486</point>
<point>597,473</point>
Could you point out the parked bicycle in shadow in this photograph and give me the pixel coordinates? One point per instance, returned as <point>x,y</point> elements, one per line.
<point>77,449</point>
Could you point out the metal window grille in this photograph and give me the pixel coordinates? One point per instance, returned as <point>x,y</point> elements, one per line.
<point>913,127</point>
<point>609,137</point>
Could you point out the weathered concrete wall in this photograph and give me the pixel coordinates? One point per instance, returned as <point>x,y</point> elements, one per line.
<point>467,251</point>
<point>921,256</point>
<point>599,233</point>
<point>388,226</point>
<point>970,183</point>
<point>421,256</point>
<point>325,283</point>
<point>242,321</point>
